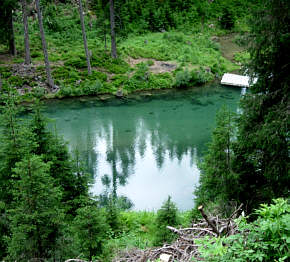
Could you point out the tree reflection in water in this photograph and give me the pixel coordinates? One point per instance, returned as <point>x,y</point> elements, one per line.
<point>158,140</point>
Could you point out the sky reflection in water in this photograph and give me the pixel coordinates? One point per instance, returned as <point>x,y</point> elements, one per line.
<point>148,146</point>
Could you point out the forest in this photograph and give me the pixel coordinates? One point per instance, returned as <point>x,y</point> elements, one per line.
<point>65,49</point>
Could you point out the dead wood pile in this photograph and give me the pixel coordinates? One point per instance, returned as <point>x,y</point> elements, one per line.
<point>184,248</point>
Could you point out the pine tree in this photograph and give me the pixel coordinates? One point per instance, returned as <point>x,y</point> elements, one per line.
<point>262,151</point>
<point>44,46</point>
<point>14,144</point>
<point>26,34</point>
<point>91,229</point>
<point>36,214</point>
<point>218,182</point>
<point>85,37</point>
<point>113,33</point>
<point>67,173</point>
<point>166,216</point>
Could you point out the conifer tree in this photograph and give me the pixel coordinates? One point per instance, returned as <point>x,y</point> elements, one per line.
<point>85,37</point>
<point>90,229</point>
<point>218,182</point>
<point>166,216</point>
<point>113,32</point>
<point>36,214</point>
<point>262,151</point>
<point>26,33</point>
<point>67,173</point>
<point>50,81</point>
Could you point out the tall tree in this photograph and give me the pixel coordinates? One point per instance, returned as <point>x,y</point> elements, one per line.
<point>113,33</point>
<point>67,174</point>
<point>12,46</point>
<point>217,179</point>
<point>6,24</point>
<point>26,33</point>
<point>90,228</point>
<point>262,151</point>
<point>36,216</point>
<point>44,46</point>
<point>85,37</point>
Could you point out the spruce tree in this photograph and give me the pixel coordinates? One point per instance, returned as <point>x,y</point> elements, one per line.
<point>166,216</point>
<point>218,182</point>
<point>67,173</point>
<point>36,214</point>
<point>90,229</point>
<point>262,151</point>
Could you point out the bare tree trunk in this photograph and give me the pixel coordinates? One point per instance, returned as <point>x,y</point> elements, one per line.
<point>85,37</point>
<point>12,47</point>
<point>26,34</point>
<point>113,34</point>
<point>44,46</point>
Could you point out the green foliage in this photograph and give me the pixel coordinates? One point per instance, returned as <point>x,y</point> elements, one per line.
<point>183,78</point>
<point>36,215</point>
<point>187,78</point>
<point>218,182</point>
<point>266,239</point>
<point>91,228</point>
<point>227,20</point>
<point>92,88</point>
<point>166,216</point>
<point>262,149</point>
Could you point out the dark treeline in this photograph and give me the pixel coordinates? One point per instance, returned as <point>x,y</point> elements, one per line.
<point>249,163</point>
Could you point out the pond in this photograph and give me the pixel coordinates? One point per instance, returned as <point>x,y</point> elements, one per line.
<point>145,147</point>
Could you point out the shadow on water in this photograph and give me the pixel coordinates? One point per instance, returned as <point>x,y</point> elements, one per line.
<point>144,147</point>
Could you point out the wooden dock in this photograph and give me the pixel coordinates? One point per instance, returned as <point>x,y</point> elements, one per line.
<point>236,80</point>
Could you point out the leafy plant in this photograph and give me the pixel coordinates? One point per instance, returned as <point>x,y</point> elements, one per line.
<point>265,239</point>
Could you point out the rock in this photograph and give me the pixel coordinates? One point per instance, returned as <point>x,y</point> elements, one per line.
<point>119,93</point>
<point>214,38</point>
<point>165,257</point>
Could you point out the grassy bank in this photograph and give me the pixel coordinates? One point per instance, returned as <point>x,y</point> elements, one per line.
<point>153,60</point>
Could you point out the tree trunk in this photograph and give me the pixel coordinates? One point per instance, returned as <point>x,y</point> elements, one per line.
<point>113,34</point>
<point>12,47</point>
<point>26,34</point>
<point>44,46</point>
<point>85,37</point>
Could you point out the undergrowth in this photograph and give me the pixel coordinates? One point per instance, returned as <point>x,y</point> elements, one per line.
<point>190,50</point>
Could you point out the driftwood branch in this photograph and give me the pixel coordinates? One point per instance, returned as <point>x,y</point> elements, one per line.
<point>210,223</point>
<point>75,260</point>
<point>184,249</point>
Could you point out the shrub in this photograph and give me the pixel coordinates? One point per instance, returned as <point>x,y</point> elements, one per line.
<point>266,239</point>
<point>183,78</point>
<point>92,87</point>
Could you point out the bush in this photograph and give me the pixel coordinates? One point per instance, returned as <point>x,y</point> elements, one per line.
<point>183,78</point>
<point>92,88</point>
<point>266,239</point>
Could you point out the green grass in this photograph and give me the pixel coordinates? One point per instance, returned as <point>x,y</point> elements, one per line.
<point>193,51</point>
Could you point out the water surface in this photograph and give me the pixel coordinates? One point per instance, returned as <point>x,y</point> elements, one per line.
<point>145,147</point>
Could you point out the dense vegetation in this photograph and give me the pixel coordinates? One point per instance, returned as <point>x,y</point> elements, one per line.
<point>150,34</point>
<point>46,211</point>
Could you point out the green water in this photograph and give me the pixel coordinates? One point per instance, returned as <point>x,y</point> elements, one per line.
<point>145,147</point>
